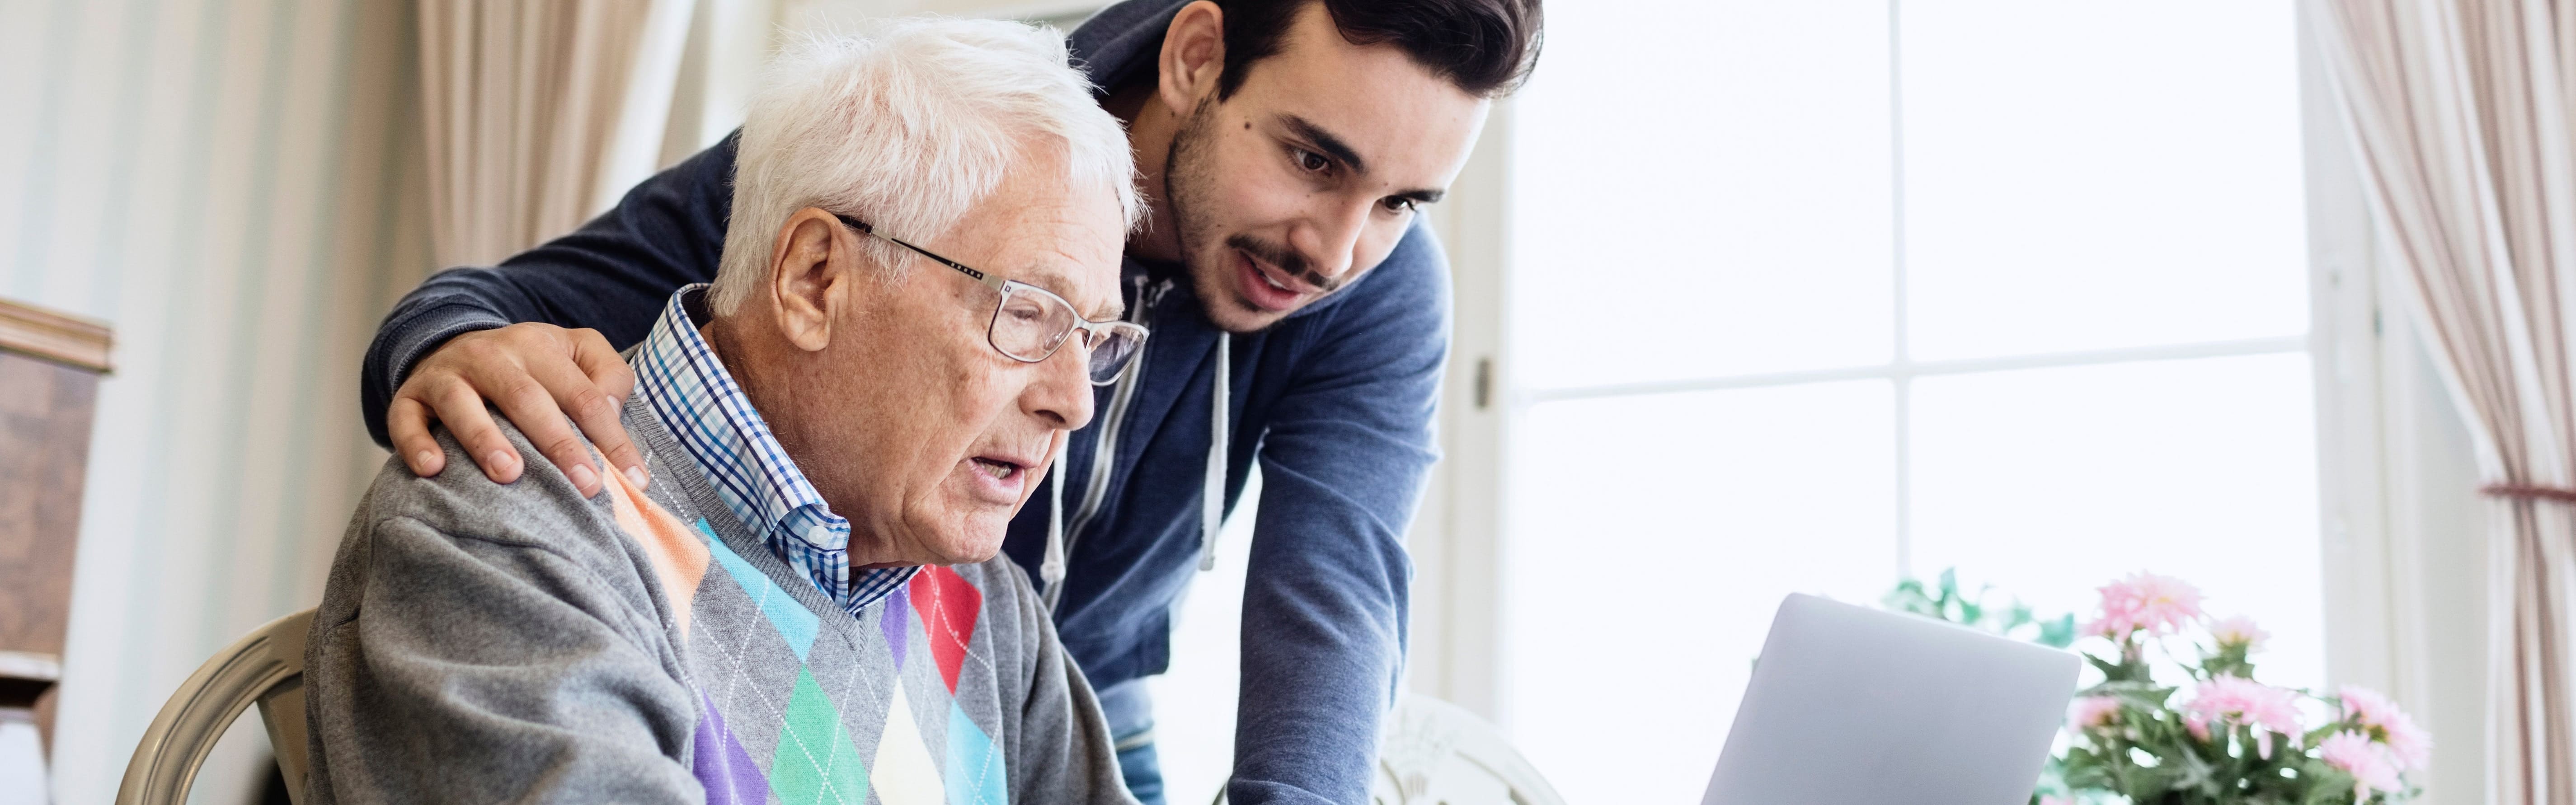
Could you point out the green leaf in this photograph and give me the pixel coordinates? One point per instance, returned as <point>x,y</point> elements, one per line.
<point>2326,785</point>
<point>2143,696</point>
<point>2109,669</point>
<point>2194,772</point>
<point>1909,597</point>
<point>2088,775</point>
<point>2058,633</point>
<point>2148,782</point>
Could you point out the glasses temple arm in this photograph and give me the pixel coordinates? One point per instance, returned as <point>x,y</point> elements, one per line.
<point>988,280</point>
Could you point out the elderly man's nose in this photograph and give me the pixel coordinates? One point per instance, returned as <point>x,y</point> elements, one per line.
<point>1061,392</point>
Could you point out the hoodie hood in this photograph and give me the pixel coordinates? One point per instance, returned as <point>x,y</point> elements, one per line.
<point>1118,45</point>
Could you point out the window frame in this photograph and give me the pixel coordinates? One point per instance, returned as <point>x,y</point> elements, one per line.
<point>2395,474</point>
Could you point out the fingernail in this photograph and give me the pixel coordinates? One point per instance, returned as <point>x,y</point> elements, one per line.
<point>582,476</point>
<point>498,460</point>
<point>423,458</point>
<point>636,474</point>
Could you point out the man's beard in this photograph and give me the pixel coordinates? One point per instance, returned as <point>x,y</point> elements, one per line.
<point>1188,182</point>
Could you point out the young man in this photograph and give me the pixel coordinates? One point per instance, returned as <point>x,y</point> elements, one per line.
<point>1300,315</point>
<point>808,604</point>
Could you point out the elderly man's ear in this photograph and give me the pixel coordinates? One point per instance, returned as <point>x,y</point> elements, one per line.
<point>813,265</point>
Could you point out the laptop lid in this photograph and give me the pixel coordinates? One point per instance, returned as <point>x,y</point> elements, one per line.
<point>1851,705</point>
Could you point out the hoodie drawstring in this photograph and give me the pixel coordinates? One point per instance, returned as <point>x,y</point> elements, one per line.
<point>1212,505</point>
<point>1051,569</point>
<point>1212,498</point>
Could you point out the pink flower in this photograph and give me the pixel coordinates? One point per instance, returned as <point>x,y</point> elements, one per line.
<point>2265,708</point>
<point>2409,744</point>
<point>2367,762</point>
<point>2092,711</point>
<point>2158,605</point>
<point>2239,631</point>
<point>2055,801</point>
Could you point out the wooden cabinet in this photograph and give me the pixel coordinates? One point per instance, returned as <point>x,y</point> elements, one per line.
<point>50,364</point>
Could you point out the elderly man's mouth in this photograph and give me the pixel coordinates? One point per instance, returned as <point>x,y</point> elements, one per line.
<point>997,480</point>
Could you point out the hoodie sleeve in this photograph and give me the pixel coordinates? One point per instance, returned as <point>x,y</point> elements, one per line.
<point>612,275</point>
<point>1342,467</point>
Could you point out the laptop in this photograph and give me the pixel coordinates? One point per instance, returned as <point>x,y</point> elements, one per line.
<point>1855,706</point>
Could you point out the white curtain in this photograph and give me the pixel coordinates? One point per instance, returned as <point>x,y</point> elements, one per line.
<point>540,114</point>
<point>2460,112</point>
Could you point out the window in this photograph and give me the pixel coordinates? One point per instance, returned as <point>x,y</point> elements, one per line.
<point>1805,296</point>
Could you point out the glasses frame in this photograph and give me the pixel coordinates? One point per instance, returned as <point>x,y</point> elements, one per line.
<point>1093,332</point>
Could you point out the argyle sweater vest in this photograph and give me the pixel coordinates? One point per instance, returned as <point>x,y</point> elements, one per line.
<point>898,705</point>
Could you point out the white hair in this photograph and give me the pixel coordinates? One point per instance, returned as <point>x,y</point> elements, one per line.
<point>906,130</point>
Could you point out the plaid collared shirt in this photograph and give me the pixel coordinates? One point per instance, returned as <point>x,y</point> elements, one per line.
<point>689,390</point>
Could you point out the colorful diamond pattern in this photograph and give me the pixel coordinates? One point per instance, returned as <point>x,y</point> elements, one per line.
<point>722,764</point>
<point>905,773</point>
<point>974,769</point>
<point>794,622</point>
<point>816,761</point>
<point>896,620</point>
<point>948,604</point>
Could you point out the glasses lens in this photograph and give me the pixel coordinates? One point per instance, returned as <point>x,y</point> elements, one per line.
<point>1118,347</point>
<point>1030,323</point>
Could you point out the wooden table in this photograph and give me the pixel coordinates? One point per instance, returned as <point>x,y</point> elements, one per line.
<point>50,364</point>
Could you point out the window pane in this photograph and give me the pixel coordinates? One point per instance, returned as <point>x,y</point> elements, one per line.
<point>2099,175</point>
<point>2052,482</point>
<point>1708,194</point>
<point>1651,539</point>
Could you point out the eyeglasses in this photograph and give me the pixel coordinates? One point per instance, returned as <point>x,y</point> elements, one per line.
<point>1030,323</point>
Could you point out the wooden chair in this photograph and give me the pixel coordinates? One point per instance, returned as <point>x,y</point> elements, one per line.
<point>265,668</point>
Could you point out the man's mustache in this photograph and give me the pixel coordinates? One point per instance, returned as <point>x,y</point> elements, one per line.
<point>1286,259</point>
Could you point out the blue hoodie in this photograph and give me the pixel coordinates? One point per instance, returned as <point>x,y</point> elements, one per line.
<point>1335,401</point>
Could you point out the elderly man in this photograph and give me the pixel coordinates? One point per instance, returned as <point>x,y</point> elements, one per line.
<point>916,298</point>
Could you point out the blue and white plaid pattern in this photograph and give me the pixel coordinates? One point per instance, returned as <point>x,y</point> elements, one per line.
<point>688,388</point>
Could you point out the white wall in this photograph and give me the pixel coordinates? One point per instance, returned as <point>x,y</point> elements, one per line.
<point>234,185</point>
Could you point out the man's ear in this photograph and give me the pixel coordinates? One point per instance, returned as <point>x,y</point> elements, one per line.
<point>1193,57</point>
<point>811,265</point>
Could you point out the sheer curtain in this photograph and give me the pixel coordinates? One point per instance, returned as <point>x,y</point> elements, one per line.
<point>2459,110</point>
<point>539,115</point>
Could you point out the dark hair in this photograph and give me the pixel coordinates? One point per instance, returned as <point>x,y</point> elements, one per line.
<point>1485,47</point>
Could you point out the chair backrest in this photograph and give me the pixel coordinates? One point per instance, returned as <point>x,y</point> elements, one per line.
<point>265,667</point>
<point>1437,753</point>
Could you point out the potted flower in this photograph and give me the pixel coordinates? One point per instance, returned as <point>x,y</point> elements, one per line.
<point>2219,737</point>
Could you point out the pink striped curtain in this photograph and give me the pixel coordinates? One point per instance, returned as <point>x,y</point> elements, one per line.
<point>540,114</point>
<point>2460,111</point>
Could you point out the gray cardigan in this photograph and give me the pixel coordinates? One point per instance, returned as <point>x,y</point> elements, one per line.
<point>480,642</point>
